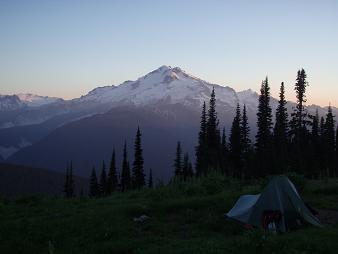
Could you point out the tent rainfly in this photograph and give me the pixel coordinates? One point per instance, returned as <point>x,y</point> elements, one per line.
<point>279,203</point>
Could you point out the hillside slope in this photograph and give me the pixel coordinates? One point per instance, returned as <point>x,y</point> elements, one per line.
<point>24,181</point>
<point>89,141</point>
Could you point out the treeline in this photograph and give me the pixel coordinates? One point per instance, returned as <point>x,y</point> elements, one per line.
<point>182,165</point>
<point>300,142</point>
<point>111,181</point>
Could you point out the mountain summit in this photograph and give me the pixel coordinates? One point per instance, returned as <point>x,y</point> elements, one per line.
<point>165,84</point>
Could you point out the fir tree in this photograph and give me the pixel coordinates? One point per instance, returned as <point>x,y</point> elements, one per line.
<point>330,141</point>
<point>316,144</point>
<point>300,88</point>
<point>235,145</point>
<point>190,172</point>
<point>150,182</point>
<point>138,173</point>
<point>322,147</point>
<point>112,180</point>
<point>178,161</point>
<point>66,185</point>
<point>245,132</point>
<point>299,134</point>
<point>185,168</point>
<point>94,186</point>
<point>245,142</point>
<point>337,151</point>
<point>103,180</point>
<point>125,175</point>
<point>212,120</point>
<point>322,127</point>
<point>263,137</point>
<point>224,154</point>
<point>201,147</point>
<point>212,136</point>
<point>280,134</point>
<point>264,117</point>
<point>219,150</point>
<point>315,125</point>
<point>71,181</point>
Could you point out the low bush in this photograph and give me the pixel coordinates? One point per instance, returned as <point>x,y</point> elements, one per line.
<point>298,180</point>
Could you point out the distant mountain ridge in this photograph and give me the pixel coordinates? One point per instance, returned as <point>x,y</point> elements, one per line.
<point>33,100</point>
<point>159,93</point>
<point>165,84</point>
<point>10,102</point>
<point>23,100</point>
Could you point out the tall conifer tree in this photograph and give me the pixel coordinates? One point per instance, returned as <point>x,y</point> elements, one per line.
<point>245,132</point>
<point>178,161</point>
<point>330,142</point>
<point>224,154</point>
<point>201,146</point>
<point>280,134</point>
<point>245,142</point>
<point>315,130</point>
<point>112,180</point>
<point>213,136</point>
<point>263,137</point>
<point>71,181</point>
<point>190,170</point>
<point>316,151</point>
<point>235,145</point>
<point>185,167</point>
<point>300,88</point>
<point>94,186</point>
<point>103,181</point>
<point>138,172</point>
<point>315,125</point>
<point>299,122</point>
<point>322,127</point>
<point>125,174</point>
<point>66,185</point>
<point>322,147</point>
<point>337,151</point>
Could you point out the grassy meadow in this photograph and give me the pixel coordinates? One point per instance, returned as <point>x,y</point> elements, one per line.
<point>184,218</point>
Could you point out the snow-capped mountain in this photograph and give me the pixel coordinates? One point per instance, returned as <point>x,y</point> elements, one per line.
<point>33,100</point>
<point>10,102</point>
<point>165,84</point>
<point>161,91</point>
<point>22,100</point>
<point>27,109</point>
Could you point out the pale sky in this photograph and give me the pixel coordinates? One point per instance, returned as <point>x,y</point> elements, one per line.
<point>65,48</point>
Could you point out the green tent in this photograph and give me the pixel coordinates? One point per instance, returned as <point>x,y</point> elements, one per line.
<point>279,197</point>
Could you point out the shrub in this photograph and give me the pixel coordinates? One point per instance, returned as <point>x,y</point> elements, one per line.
<point>215,183</point>
<point>193,189</point>
<point>327,190</point>
<point>298,180</point>
<point>28,200</point>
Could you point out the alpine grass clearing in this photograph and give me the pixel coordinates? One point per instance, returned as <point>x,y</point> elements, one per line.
<point>183,218</point>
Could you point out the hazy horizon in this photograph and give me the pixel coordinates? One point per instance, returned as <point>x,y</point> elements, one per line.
<point>65,49</point>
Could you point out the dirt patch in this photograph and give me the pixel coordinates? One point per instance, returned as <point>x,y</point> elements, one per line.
<point>327,216</point>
